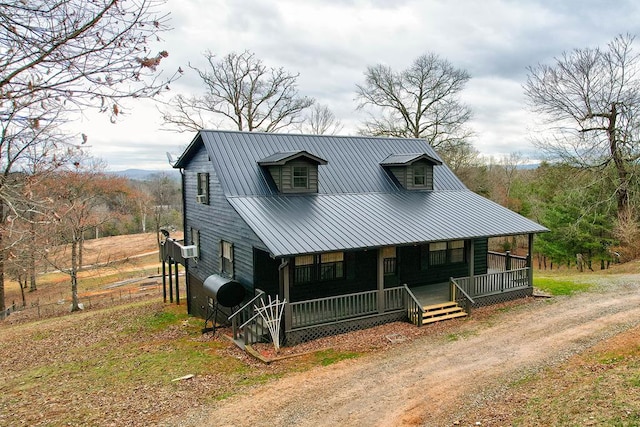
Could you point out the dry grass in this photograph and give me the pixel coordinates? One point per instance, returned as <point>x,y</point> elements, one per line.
<point>115,365</point>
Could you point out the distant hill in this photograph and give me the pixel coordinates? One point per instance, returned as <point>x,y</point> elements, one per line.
<point>145,174</point>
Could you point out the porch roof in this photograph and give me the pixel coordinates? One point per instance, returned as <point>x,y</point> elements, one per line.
<point>293,225</point>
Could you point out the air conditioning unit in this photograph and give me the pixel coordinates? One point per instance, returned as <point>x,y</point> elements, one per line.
<point>201,198</point>
<point>190,251</point>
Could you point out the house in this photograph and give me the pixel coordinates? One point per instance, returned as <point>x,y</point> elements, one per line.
<point>351,232</point>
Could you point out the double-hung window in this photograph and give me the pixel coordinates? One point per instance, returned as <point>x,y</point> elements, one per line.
<point>301,177</point>
<point>419,176</point>
<point>203,188</point>
<point>311,268</point>
<point>226,258</point>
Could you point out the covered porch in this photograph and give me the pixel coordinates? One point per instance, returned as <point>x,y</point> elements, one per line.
<point>503,277</point>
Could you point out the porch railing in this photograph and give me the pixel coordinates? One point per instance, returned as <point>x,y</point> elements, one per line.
<point>243,315</point>
<point>415,310</point>
<point>493,283</point>
<point>341,307</point>
<point>505,261</point>
<point>460,296</point>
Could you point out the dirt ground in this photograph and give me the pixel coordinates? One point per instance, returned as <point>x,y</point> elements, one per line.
<point>438,380</point>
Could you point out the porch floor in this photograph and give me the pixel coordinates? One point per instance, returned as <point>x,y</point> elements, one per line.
<point>432,294</point>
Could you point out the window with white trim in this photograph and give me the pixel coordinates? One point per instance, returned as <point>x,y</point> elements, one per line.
<point>301,177</point>
<point>203,188</point>
<point>226,258</point>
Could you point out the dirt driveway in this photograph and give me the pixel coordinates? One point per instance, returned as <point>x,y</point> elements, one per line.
<point>433,380</point>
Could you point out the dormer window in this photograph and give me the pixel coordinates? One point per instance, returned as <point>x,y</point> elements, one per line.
<point>293,171</point>
<point>412,171</point>
<point>419,175</point>
<point>301,177</point>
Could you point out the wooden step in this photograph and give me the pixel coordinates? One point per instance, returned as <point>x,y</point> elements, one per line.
<point>427,320</point>
<point>442,311</point>
<point>440,306</point>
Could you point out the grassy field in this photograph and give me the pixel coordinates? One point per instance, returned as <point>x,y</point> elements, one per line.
<point>117,365</point>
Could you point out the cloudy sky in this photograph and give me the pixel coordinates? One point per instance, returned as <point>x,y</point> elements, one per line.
<point>331,42</point>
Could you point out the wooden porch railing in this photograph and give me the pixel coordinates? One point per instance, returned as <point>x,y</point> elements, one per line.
<point>492,283</point>
<point>460,296</point>
<point>415,310</point>
<point>505,261</point>
<point>332,309</point>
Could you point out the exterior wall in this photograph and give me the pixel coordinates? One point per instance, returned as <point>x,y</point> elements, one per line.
<point>215,221</point>
<point>411,269</point>
<point>360,275</point>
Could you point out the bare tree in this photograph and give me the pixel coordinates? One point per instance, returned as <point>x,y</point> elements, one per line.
<point>320,120</point>
<point>59,57</point>
<point>83,198</point>
<point>419,102</point>
<point>590,99</point>
<point>242,91</point>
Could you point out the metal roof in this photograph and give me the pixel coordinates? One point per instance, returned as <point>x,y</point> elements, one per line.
<point>353,162</point>
<point>358,204</point>
<point>292,225</point>
<point>407,159</point>
<point>282,158</point>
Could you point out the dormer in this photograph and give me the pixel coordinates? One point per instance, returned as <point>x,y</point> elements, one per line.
<point>414,171</point>
<point>293,171</point>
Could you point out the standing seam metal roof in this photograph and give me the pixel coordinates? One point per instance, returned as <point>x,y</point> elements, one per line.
<point>358,204</point>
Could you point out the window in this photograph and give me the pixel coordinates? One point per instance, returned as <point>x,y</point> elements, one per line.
<point>456,251</point>
<point>311,268</point>
<point>389,260</point>
<point>203,188</point>
<point>300,177</point>
<point>442,253</point>
<point>303,272</point>
<point>195,239</point>
<point>226,258</point>
<point>438,253</point>
<point>331,266</point>
<point>420,176</point>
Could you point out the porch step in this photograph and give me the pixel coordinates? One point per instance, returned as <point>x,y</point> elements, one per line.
<point>443,311</point>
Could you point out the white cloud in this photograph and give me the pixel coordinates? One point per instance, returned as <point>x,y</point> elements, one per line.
<point>330,43</point>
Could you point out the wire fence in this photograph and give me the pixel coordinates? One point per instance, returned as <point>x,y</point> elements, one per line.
<point>60,305</point>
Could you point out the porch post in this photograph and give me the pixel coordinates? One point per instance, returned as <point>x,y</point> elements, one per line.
<point>164,280</point>
<point>170,281</point>
<point>530,260</point>
<point>177,286</point>
<point>380,277</point>
<point>284,271</point>
<point>472,246</point>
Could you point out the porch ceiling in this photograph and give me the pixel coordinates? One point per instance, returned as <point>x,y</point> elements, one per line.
<point>292,225</point>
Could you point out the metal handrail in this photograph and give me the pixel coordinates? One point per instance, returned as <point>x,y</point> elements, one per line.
<point>259,294</point>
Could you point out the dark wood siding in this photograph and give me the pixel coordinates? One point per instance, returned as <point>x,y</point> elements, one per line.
<point>360,275</point>
<point>216,221</point>
<point>481,246</point>
<point>287,177</point>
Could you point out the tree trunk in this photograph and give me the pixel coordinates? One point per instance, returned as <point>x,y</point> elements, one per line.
<point>622,184</point>
<point>3,306</point>
<point>32,256</point>
<point>81,248</point>
<point>74,274</point>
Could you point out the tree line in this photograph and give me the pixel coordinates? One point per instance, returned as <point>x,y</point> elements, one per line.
<point>60,58</point>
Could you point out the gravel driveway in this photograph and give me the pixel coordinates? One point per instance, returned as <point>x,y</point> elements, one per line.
<point>433,380</point>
